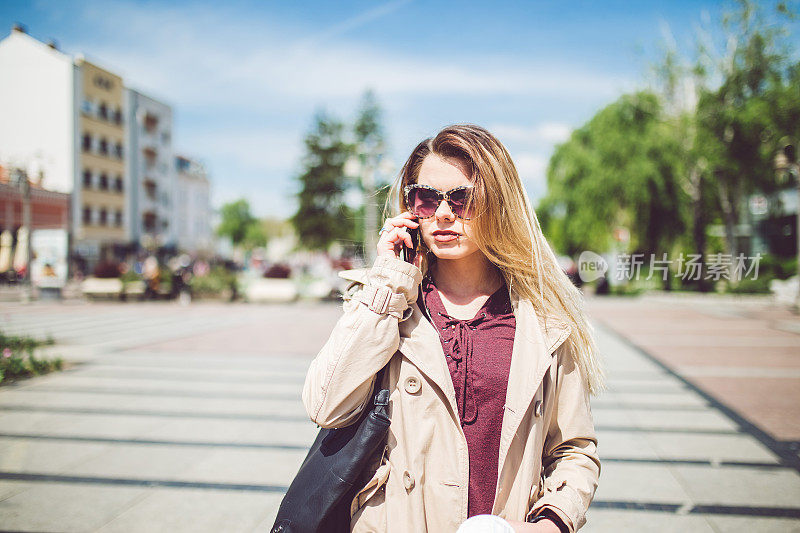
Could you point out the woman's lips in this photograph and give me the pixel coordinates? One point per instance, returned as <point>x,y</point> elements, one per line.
<point>445,237</point>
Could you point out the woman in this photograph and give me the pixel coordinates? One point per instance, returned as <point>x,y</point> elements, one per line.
<point>489,358</point>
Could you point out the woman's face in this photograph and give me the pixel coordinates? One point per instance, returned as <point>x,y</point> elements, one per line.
<point>446,235</point>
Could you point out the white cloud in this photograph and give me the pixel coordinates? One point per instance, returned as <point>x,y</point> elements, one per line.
<point>532,170</point>
<point>547,133</point>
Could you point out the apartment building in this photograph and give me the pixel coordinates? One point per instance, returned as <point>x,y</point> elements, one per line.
<point>63,122</point>
<point>194,213</point>
<point>101,198</point>
<point>151,170</point>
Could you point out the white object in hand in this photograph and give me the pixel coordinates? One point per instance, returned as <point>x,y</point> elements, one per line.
<point>485,523</point>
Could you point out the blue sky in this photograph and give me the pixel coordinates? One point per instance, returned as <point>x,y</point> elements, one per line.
<point>245,78</point>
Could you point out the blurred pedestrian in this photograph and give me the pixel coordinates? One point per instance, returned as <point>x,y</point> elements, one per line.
<point>474,431</point>
<point>152,277</point>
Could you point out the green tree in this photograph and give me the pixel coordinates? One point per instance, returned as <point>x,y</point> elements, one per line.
<point>322,216</point>
<point>622,168</point>
<point>237,222</point>
<point>744,119</point>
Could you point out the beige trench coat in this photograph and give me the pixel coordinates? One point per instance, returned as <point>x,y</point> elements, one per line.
<point>548,448</point>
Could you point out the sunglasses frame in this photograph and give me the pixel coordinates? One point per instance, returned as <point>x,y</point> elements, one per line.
<point>442,195</point>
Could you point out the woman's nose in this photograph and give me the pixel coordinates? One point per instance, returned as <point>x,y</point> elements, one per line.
<point>444,211</point>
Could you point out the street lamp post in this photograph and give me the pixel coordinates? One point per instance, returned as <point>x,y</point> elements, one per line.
<point>25,190</point>
<point>364,165</point>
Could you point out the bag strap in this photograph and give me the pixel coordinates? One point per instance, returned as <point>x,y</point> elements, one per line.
<point>380,397</point>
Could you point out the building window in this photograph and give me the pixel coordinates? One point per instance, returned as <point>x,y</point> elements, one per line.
<point>118,150</point>
<point>118,185</point>
<point>103,146</point>
<point>150,188</point>
<point>86,107</point>
<point>118,219</point>
<point>103,216</point>
<point>86,143</point>
<point>103,182</point>
<point>118,116</point>
<point>87,215</point>
<point>150,158</point>
<point>87,179</point>
<point>149,222</point>
<point>150,123</point>
<point>103,82</point>
<point>103,111</point>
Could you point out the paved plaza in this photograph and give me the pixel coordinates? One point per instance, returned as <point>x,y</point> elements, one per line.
<point>189,418</point>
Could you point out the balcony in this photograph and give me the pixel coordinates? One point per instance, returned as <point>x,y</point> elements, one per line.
<point>150,189</point>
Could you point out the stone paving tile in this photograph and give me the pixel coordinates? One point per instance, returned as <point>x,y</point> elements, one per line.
<point>611,417</point>
<point>743,486</point>
<point>715,447</point>
<point>76,380</point>
<point>622,444</point>
<point>772,403</point>
<point>139,461</point>
<point>642,400</point>
<point>639,483</point>
<point>737,524</point>
<point>9,488</point>
<point>612,520</point>
<point>196,510</point>
<point>247,466</point>
<point>301,434</point>
<point>44,456</point>
<point>155,404</point>
<point>668,419</point>
<point>66,507</point>
<point>205,430</point>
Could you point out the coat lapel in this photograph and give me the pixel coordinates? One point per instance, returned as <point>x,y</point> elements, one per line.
<point>420,343</point>
<point>530,359</point>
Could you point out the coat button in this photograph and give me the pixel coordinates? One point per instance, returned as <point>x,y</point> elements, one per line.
<point>412,385</point>
<point>408,480</point>
<point>537,408</point>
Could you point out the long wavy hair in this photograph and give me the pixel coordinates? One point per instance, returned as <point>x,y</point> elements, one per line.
<point>507,231</point>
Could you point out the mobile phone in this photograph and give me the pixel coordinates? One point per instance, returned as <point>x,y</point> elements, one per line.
<point>408,254</point>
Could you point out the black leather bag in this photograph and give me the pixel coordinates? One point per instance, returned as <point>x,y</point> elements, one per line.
<point>318,500</point>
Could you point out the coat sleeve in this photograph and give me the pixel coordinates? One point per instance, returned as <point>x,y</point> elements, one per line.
<point>339,380</point>
<point>571,466</point>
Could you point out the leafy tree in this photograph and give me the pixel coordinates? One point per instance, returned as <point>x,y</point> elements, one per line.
<point>322,216</point>
<point>622,168</point>
<point>743,121</point>
<point>238,223</point>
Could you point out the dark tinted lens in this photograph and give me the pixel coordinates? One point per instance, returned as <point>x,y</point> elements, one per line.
<point>458,202</point>
<point>423,202</point>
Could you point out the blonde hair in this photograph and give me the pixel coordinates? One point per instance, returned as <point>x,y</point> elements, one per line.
<point>507,231</point>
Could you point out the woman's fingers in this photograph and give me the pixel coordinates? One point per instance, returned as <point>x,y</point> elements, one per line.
<point>391,241</point>
<point>397,234</point>
<point>403,219</point>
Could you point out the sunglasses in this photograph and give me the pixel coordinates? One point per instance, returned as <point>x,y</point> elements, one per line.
<point>424,200</point>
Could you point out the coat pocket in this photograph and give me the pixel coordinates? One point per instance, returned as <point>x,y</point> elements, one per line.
<point>375,484</point>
